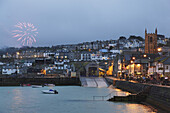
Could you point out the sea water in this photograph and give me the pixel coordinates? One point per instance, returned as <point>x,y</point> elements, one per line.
<point>71,99</point>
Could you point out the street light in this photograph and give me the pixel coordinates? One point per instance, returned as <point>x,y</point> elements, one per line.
<point>159,49</point>
<point>145,55</point>
<point>17,53</point>
<point>138,65</point>
<point>133,58</point>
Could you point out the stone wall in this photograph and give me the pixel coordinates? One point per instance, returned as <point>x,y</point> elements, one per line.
<point>158,96</point>
<point>39,81</point>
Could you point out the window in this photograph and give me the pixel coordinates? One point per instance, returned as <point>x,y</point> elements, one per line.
<point>150,39</point>
<point>166,67</point>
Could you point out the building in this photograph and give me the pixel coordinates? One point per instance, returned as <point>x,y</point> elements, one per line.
<point>85,56</point>
<point>151,42</point>
<point>161,39</point>
<point>8,70</point>
<point>161,66</point>
<point>74,56</point>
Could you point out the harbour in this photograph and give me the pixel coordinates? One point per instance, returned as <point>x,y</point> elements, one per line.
<point>72,99</point>
<point>84,56</point>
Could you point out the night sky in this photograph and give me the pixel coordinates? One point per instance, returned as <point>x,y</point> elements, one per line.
<point>74,21</point>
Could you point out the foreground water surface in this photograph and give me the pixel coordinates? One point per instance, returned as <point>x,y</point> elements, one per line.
<point>71,99</point>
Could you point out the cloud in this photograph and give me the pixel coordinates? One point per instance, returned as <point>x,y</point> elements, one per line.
<point>73,21</point>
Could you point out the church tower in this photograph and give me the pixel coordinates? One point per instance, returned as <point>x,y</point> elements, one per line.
<point>151,42</point>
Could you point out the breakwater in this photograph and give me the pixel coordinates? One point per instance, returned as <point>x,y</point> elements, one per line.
<point>158,96</point>
<point>39,81</point>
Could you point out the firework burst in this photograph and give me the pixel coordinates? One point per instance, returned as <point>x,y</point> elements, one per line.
<point>25,32</point>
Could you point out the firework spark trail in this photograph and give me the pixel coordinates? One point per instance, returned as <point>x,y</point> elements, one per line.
<point>25,32</point>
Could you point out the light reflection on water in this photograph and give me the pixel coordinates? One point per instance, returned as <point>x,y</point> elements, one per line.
<point>72,99</point>
<point>17,99</point>
<point>17,96</point>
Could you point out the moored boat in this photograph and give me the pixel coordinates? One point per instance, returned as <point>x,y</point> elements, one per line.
<point>36,86</point>
<point>50,91</point>
<point>25,85</point>
<point>50,85</point>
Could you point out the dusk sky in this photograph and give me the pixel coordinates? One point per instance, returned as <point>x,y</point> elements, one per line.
<point>75,21</point>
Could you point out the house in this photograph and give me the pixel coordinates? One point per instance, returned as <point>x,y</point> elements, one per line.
<point>85,56</point>
<point>74,56</point>
<point>161,39</point>
<point>96,56</point>
<point>161,66</point>
<point>61,56</point>
<point>8,70</point>
<point>166,65</point>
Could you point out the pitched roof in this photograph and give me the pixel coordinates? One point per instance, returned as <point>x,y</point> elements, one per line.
<point>127,57</point>
<point>166,61</point>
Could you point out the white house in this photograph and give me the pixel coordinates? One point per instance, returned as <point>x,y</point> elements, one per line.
<point>161,67</point>
<point>28,64</point>
<point>1,64</point>
<point>85,56</point>
<point>115,51</point>
<point>8,70</point>
<point>96,57</point>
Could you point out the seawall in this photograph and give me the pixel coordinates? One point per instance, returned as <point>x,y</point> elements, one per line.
<point>159,96</point>
<point>39,81</point>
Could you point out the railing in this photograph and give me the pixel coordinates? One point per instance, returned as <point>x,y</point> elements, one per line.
<point>103,97</point>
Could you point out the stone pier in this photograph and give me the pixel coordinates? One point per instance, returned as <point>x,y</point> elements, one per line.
<point>158,96</point>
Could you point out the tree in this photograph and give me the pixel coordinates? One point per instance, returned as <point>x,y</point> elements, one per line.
<point>111,47</point>
<point>136,37</point>
<point>160,45</point>
<point>122,38</point>
<point>168,44</point>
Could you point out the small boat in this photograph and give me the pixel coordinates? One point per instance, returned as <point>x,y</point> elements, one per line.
<point>50,91</point>
<point>25,85</point>
<point>50,85</point>
<point>36,86</point>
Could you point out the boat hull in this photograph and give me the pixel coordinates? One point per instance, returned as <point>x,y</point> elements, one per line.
<point>49,92</point>
<point>36,86</point>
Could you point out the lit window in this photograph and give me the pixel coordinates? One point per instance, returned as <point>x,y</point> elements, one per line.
<point>138,65</point>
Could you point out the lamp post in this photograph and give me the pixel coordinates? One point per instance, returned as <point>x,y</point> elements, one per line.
<point>131,62</point>
<point>149,65</point>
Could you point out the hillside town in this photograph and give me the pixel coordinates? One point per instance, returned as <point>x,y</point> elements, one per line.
<point>125,58</point>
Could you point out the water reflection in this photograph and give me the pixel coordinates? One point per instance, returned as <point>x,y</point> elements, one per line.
<point>129,107</point>
<point>118,92</point>
<point>134,108</point>
<point>17,100</point>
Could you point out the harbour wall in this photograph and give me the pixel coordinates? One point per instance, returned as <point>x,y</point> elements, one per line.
<point>39,81</point>
<point>159,96</point>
